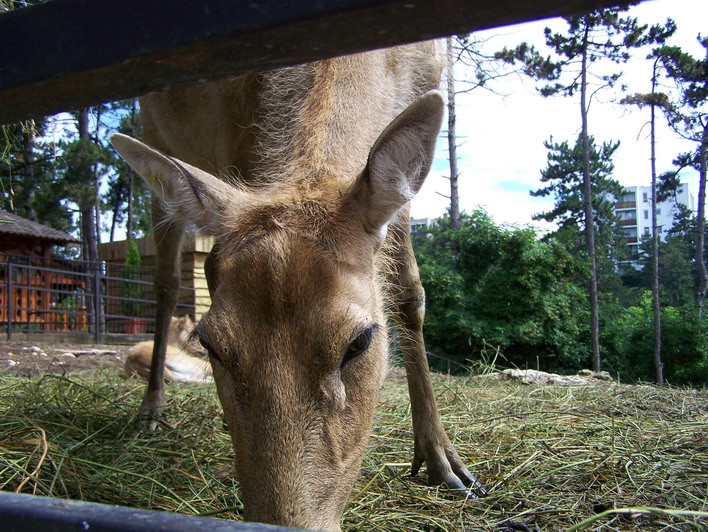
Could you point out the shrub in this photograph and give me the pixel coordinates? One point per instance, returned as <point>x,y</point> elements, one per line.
<point>504,287</point>
<point>628,338</point>
<point>130,290</point>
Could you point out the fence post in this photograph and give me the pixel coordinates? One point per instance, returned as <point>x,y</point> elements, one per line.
<point>8,286</point>
<point>96,303</point>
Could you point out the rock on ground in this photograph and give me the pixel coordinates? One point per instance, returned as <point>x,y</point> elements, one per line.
<point>584,377</point>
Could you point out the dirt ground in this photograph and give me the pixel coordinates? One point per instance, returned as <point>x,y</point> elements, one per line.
<point>26,359</point>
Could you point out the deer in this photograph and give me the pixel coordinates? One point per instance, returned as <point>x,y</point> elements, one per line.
<point>304,176</point>
<point>184,362</point>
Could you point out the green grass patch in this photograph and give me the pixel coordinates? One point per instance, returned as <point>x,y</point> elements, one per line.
<point>604,457</point>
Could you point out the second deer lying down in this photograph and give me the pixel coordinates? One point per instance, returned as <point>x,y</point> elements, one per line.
<point>303,175</point>
<point>182,361</point>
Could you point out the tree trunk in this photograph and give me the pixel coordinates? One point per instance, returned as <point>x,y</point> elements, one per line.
<point>658,364</point>
<point>89,243</point>
<point>589,217</point>
<point>116,208</point>
<point>452,142</point>
<point>700,223</point>
<point>28,153</point>
<point>129,224</point>
<point>97,186</point>
<point>88,204</point>
<point>131,176</point>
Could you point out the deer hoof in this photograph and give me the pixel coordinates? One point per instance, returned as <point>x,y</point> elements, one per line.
<point>445,468</point>
<point>152,414</point>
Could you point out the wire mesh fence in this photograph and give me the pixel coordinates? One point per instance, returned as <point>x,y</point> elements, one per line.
<point>55,295</point>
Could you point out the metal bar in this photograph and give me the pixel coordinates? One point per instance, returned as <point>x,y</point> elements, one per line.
<point>53,333</point>
<point>52,270</point>
<point>8,284</point>
<point>96,305</point>
<point>42,289</point>
<point>49,310</point>
<point>123,316</point>
<point>122,298</point>
<point>29,513</point>
<point>83,274</point>
<point>66,292</point>
<point>50,290</point>
<point>77,264</point>
<point>157,44</point>
<point>122,279</point>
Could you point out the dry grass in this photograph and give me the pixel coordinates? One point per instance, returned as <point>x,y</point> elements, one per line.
<point>597,458</point>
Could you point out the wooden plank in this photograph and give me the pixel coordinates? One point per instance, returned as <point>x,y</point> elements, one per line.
<point>68,54</point>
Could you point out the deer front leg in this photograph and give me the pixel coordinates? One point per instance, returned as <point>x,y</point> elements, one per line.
<point>432,445</point>
<point>168,239</point>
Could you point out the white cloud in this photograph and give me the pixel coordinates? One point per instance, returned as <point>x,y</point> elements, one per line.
<point>501,138</point>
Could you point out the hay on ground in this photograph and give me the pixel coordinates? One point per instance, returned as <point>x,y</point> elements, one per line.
<point>608,457</point>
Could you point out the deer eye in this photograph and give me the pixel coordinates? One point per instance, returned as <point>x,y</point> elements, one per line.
<point>360,344</point>
<point>209,349</point>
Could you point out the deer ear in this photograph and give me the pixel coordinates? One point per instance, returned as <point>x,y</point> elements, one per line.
<point>188,193</point>
<point>400,160</point>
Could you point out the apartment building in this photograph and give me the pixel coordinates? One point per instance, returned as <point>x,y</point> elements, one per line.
<point>633,208</point>
<point>419,224</point>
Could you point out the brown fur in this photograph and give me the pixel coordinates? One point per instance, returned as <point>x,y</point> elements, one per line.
<point>183,362</point>
<point>314,170</point>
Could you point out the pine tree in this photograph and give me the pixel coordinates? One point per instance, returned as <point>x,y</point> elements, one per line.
<point>565,183</point>
<point>690,119</point>
<point>654,99</point>
<point>598,35</point>
<point>29,184</point>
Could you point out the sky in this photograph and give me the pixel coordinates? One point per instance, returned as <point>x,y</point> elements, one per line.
<point>501,134</point>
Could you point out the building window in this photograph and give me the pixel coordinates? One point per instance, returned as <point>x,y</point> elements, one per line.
<point>658,212</point>
<point>646,214</point>
<point>644,197</point>
<point>647,231</point>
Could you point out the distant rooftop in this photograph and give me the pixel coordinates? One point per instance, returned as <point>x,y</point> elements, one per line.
<point>12,225</point>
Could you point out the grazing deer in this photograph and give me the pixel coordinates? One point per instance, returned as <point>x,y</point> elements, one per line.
<point>303,175</point>
<point>182,360</point>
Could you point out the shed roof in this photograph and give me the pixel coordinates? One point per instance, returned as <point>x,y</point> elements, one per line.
<point>13,225</point>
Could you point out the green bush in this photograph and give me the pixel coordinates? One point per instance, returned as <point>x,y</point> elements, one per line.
<point>130,290</point>
<point>504,288</point>
<point>628,340</point>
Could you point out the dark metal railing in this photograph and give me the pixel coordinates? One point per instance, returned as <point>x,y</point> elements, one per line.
<point>39,295</point>
<point>30,513</point>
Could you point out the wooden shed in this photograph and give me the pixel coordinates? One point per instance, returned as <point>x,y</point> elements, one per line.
<point>195,249</point>
<point>29,294</point>
<point>19,236</point>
